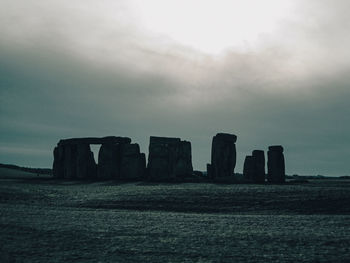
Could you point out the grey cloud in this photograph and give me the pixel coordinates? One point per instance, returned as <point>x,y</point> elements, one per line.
<point>72,74</point>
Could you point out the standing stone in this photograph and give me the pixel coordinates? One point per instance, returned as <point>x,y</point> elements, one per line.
<point>259,166</point>
<point>276,165</point>
<point>133,163</point>
<point>160,157</point>
<point>86,166</point>
<point>254,167</point>
<point>70,161</point>
<point>183,160</point>
<point>108,161</point>
<point>58,162</point>
<point>223,155</point>
<point>169,158</point>
<point>249,168</point>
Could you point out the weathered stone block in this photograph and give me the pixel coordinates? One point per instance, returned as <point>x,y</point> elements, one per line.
<point>58,162</point>
<point>249,168</point>
<point>133,163</point>
<point>223,155</point>
<point>183,160</point>
<point>70,161</point>
<point>169,158</point>
<point>254,167</point>
<point>276,165</point>
<point>259,166</point>
<point>108,161</point>
<point>86,166</point>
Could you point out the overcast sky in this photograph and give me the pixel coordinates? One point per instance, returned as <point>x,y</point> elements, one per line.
<point>271,73</point>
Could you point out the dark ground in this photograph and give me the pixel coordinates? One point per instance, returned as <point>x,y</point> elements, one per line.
<point>47,220</point>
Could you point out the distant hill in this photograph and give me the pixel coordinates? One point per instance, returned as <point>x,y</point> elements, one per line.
<point>46,171</point>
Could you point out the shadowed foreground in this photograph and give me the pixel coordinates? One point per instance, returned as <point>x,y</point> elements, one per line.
<point>46,220</point>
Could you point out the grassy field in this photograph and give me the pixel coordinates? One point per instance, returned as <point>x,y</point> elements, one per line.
<point>48,220</point>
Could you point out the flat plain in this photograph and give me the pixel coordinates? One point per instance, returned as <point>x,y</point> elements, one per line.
<point>48,220</point>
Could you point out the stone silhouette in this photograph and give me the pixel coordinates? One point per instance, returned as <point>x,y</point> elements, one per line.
<point>133,163</point>
<point>259,158</point>
<point>223,155</point>
<point>169,158</point>
<point>69,161</point>
<point>254,167</point>
<point>109,157</point>
<point>249,168</point>
<point>58,162</point>
<point>276,165</point>
<point>86,166</point>
<point>117,159</point>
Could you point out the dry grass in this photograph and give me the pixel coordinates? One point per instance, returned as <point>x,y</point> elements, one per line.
<point>45,220</point>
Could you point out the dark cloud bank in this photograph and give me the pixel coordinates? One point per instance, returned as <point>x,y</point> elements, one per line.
<point>293,89</point>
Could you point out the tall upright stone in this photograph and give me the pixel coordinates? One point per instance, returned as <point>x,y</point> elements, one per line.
<point>276,165</point>
<point>254,167</point>
<point>132,163</point>
<point>223,155</point>
<point>259,162</point>
<point>86,166</point>
<point>249,168</point>
<point>169,158</point>
<point>70,161</point>
<point>183,159</point>
<point>58,162</point>
<point>109,157</point>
